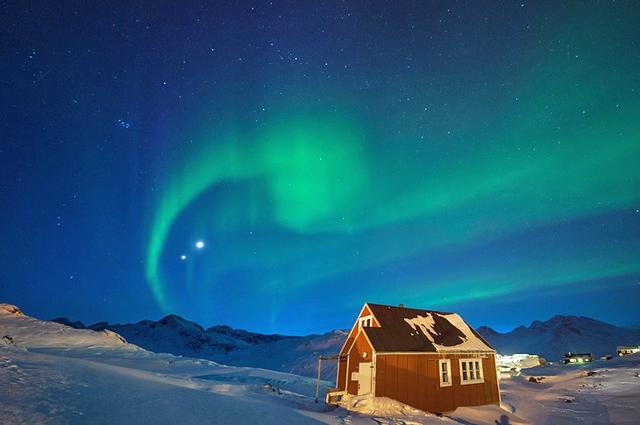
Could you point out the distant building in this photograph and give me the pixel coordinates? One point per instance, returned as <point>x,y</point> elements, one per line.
<point>429,360</point>
<point>625,350</point>
<point>577,358</point>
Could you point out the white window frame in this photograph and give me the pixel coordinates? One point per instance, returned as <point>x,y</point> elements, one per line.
<point>449,378</point>
<point>471,370</point>
<point>365,322</point>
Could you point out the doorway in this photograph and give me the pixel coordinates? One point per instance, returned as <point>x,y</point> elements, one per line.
<point>364,378</point>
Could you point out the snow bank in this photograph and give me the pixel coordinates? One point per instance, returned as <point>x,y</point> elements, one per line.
<point>386,410</point>
<point>382,406</point>
<point>27,332</point>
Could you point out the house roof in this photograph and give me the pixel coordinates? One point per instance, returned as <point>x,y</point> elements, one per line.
<point>405,329</point>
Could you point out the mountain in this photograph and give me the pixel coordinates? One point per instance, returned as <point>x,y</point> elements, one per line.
<point>552,338</point>
<point>56,374</point>
<point>294,354</point>
<point>176,335</point>
<point>297,355</point>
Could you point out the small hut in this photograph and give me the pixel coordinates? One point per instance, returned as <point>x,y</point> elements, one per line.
<point>625,350</point>
<point>577,358</point>
<point>430,360</point>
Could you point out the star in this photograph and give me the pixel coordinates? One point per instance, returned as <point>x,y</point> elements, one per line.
<point>200,244</point>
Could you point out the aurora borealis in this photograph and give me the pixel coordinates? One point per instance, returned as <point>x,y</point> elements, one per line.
<point>478,158</point>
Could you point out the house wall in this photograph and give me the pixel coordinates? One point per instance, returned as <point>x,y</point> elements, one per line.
<point>341,375</point>
<point>341,380</point>
<point>414,379</point>
<point>355,357</point>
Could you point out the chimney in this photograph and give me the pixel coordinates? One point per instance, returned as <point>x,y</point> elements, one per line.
<point>401,306</point>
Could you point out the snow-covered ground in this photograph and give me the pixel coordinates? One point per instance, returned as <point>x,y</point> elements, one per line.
<point>568,395</point>
<point>176,335</point>
<point>53,374</point>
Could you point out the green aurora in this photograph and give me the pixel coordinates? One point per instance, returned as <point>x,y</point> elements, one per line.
<point>477,157</point>
<point>357,191</point>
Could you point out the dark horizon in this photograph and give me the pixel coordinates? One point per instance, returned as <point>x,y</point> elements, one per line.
<point>273,165</point>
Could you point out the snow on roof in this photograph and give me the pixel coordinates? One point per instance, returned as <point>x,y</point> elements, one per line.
<point>469,341</point>
<point>413,330</point>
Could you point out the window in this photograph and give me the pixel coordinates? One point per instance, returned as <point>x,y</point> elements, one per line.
<point>445,372</point>
<point>365,322</point>
<point>471,371</point>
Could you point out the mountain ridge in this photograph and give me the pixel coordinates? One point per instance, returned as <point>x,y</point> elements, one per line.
<point>222,343</point>
<point>173,334</point>
<point>560,334</point>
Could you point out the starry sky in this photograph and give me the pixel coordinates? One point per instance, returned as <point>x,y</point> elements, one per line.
<point>274,165</point>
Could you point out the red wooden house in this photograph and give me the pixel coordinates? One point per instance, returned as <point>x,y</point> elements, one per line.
<point>430,360</point>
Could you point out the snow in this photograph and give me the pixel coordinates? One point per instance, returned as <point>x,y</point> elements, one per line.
<point>426,324</point>
<point>382,408</point>
<point>567,395</point>
<point>388,411</point>
<point>51,374</point>
<point>223,344</point>
<point>27,331</point>
<point>54,374</point>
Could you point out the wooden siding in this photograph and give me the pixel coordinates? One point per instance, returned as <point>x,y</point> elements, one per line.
<point>414,379</point>
<point>360,347</point>
<point>341,375</point>
<point>341,379</point>
<point>354,330</point>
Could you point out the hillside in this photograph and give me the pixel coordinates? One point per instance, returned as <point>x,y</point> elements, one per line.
<point>55,374</point>
<point>552,338</point>
<point>237,347</point>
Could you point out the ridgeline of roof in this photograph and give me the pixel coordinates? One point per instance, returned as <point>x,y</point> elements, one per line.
<point>405,329</point>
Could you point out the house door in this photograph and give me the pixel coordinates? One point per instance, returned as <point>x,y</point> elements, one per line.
<point>364,378</point>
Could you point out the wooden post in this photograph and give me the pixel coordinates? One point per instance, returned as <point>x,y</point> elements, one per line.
<point>318,380</point>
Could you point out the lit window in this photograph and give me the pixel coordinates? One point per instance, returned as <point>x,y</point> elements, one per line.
<point>445,372</point>
<point>471,371</point>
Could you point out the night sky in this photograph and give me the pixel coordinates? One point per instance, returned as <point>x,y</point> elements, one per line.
<point>478,157</point>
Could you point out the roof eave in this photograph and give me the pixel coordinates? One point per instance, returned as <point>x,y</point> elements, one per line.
<point>440,352</point>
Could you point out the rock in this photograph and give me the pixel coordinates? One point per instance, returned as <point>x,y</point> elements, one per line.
<point>11,309</point>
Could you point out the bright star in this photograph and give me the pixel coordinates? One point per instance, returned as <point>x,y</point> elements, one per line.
<point>200,244</point>
<point>183,257</point>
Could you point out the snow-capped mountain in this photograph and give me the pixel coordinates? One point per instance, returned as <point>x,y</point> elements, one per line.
<point>54,374</point>
<point>294,354</point>
<point>552,338</point>
<point>221,343</point>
